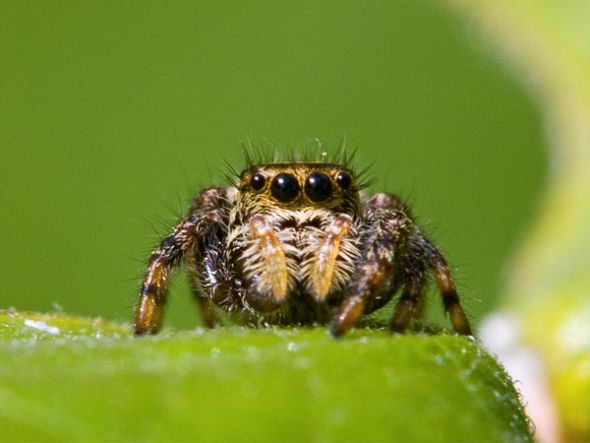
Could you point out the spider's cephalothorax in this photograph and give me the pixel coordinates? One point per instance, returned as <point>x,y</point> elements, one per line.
<point>296,243</point>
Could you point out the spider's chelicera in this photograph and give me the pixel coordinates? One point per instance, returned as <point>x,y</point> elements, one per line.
<point>297,243</point>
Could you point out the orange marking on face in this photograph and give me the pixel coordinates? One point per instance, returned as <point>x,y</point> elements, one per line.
<point>325,259</point>
<point>273,256</point>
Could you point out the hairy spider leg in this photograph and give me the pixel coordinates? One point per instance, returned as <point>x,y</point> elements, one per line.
<point>152,295</point>
<point>447,288</point>
<point>371,293</point>
<point>204,304</point>
<point>410,304</point>
<point>422,254</point>
<point>206,214</point>
<point>386,233</point>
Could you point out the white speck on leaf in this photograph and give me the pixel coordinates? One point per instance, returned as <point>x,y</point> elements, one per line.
<point>42,326</point>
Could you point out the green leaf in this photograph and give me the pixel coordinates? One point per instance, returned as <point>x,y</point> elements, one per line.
<point>69,378</point>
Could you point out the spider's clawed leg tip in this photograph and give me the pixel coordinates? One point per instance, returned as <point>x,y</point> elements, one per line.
<point>397,332</point>
<point>143,332</point>
<point>396,327</point>
<point>463,329</point>
<point>336,331</point>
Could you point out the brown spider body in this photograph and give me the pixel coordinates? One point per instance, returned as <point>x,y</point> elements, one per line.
<point>294,243</point>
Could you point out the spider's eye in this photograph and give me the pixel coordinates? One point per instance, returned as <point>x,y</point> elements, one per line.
<point>284,187</point>
<point>257,181</point>
<point>344,179</point>
<point>318,187</point>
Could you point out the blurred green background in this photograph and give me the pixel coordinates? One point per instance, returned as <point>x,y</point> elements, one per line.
<point>112,114</point>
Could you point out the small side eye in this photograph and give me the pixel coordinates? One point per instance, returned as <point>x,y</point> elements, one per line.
<point>344,179</point>
<point>257,181</point>
<point>318,187</point>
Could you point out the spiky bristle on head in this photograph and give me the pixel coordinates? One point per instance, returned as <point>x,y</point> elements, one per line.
<point>311,150</point>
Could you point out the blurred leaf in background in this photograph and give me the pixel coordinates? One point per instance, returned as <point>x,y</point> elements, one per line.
<point>548,290</point>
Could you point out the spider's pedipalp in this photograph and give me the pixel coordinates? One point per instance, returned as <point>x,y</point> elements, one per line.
<point>273,275</point>
<point>324,262</point>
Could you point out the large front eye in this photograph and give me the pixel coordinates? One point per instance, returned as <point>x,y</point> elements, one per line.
<point>284,187</point>
<point>318,187</point>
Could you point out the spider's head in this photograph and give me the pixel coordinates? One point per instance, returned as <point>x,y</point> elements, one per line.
<point>298,185</point>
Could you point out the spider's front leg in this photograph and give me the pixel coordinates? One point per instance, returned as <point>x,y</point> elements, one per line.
<point>152,295</point>
<point>375,282</point>
<point>397,253</point>
<point>183,242</point>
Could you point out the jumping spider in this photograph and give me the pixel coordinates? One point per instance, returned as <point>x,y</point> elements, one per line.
<point>296,243</point>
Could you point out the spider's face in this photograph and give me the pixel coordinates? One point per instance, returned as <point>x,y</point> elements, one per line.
<point>298,185</point>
